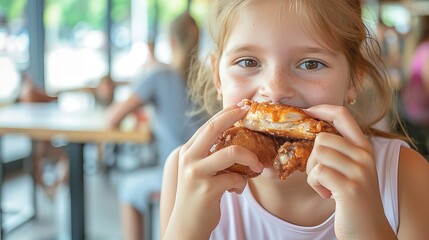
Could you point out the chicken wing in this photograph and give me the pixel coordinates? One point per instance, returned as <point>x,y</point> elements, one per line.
<point>264,146</point>
<point>291,157</point>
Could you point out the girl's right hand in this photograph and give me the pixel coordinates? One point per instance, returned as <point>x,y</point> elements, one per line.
<point>200,186</point>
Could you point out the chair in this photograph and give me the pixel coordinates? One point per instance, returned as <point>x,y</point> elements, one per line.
<point>14,151</point>
<point>154,199</point>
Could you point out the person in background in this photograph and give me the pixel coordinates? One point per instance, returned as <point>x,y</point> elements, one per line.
<point>390,41</point>
<point>151,60</point>
<point>103,92</point>
<point>317,55</point>
<point>165,87</point>
<point>415,94</point>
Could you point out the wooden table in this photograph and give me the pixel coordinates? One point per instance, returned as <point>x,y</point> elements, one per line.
<point>44,121</point>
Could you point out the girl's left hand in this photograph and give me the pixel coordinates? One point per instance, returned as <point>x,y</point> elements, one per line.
<point>343,168</point>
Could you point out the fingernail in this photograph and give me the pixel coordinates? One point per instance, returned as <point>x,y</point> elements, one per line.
<point>245,107</point>
<point>241,103</point>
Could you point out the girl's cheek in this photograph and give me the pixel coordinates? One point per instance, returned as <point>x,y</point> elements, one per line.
<point>234,95</point>
<point>236,87</point>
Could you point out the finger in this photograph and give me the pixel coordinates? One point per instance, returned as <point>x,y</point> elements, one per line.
<point>343,121</point>
<point>335,160</point>
<point>232,182</point>
<point>344,146</point>
<point>228,156</point>
<point>324,149</point>
<point>313,181</point>
<point>239,106</point>
<point>215,127</point>
<point>324,180</point>
<point>192,139</point>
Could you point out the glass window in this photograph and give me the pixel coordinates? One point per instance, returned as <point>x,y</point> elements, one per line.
<point>75,40</point>
<point>14,44</point>
<point>135,23</point>
<point>397,16</point>
<point>128,37</point>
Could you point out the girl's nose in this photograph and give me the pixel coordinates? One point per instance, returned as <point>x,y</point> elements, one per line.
<point>277,88</point>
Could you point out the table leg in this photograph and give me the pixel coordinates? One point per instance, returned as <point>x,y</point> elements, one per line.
<point>1,190</point>
<point>75,153</point>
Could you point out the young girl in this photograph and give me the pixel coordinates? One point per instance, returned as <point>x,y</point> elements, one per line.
<point>363,185</point>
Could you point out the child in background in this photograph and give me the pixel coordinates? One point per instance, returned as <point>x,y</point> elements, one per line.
<point>165,87</point>
<point>365,184</point>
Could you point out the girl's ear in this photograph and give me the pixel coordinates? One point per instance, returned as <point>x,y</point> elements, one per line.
<point>214,60</point>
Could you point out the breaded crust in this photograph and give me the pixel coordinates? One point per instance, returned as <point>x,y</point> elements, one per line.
<point>281,136</point>
<point>283,121</point>
<point>264,146</point>
<point>291,157</point>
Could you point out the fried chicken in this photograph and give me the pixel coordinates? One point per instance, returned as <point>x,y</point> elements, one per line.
<point>283,121</point>
<point>280,135</point>
<point>264,146</point>
<point>291,157</point>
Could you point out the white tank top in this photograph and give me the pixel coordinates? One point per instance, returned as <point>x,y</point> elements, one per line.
<point>243,218</point>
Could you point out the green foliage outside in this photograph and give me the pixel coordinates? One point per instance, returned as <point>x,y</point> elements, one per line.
<point>66,14</point>
<point>12,9</point>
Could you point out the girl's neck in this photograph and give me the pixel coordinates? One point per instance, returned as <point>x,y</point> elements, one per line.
<point>292,200</point>
<point>295,185</point>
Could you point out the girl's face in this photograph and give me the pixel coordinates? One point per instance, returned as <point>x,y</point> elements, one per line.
<point>270,57</point>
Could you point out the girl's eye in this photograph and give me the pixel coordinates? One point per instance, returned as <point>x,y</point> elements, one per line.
<point>312,65</point>
<point>248,63</point>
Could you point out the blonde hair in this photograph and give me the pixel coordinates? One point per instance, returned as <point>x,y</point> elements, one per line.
<point>340,27</point>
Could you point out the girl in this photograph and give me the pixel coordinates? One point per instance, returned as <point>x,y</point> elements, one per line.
<point>363,185</point>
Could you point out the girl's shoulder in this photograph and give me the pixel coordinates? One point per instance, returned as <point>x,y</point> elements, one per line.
<point>383,145</point>
<point>413,177</point>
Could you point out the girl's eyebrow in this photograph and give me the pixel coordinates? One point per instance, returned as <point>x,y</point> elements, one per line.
<point>316,50</point>
<point>305,49</point>
<point>243,48</point>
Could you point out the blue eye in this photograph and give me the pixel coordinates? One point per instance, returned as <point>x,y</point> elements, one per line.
<point>311,65</point>
<point>248,63</point>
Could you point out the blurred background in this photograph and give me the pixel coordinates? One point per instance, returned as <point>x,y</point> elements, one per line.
<point>72,44</point>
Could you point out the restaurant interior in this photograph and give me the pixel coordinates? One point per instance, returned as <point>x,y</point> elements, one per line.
<point>58,54</point>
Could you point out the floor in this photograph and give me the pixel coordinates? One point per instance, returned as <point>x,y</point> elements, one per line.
<point>52,221</point>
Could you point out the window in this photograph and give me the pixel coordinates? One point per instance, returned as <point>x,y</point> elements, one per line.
<point>75,40</point>
<point>14,44</point>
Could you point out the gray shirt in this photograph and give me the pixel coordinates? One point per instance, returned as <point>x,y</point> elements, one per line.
<point>171,124</point>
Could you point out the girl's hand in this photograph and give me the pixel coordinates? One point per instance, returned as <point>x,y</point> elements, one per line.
<point>200,187</point>
<point>343,168</point>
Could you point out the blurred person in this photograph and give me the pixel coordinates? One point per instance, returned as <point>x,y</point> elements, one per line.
<point>415,95</point>
<point>389,40</point>
<point>151,60</point>
<point>390,45</point>
<point>164,86</point>
<point>103,92</point>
